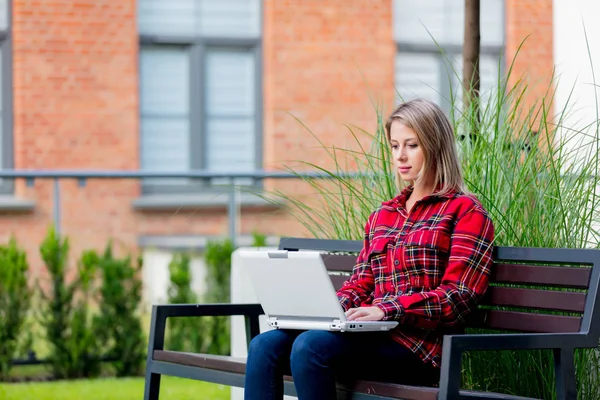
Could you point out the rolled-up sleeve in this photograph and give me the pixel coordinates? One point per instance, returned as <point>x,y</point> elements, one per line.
<point>359,287</point>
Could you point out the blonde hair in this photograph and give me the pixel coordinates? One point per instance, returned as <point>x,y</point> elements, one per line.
<point>436,136</point>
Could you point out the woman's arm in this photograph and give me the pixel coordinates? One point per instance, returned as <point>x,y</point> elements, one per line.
<point>359,287</point>
<point>464,282</point>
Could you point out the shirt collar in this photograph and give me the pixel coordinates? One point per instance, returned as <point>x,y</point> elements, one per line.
<point>400,200</point>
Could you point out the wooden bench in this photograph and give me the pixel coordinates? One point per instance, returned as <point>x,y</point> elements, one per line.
<point>529,285</point>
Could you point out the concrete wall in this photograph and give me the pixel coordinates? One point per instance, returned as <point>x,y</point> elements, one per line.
<point>576,58</point>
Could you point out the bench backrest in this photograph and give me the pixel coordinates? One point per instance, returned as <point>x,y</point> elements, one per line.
<point>531,289</point>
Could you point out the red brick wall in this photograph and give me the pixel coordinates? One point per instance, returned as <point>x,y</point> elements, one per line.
<point>529,25</point>
<point>325,63</point>
<point>75,107</point>
<point>76,104</point>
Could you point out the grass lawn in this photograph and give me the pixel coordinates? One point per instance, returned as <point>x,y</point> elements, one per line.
<point>100,389</point>
<point>112,389</point>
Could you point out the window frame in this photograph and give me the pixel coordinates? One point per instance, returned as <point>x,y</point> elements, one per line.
<point>444,54</point>
<point>197,46</point>
<point>7,186</point>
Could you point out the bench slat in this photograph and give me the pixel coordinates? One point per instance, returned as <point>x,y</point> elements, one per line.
<point>392,390</point>
<point>524,322</point>
<point>339,262</point>
<point>570,277</point>
<point>542,275</point>
<point>512,320</point>
<point>533,298</point>
<point>220,363</point>
<point>337,280</point>
<point>519,297</point>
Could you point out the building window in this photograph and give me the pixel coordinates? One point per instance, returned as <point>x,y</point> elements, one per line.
<point>6,147</point>
<point>200,88</point>
<point>429,37</point>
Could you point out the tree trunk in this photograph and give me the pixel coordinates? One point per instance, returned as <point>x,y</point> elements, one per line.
<point>471,48</point>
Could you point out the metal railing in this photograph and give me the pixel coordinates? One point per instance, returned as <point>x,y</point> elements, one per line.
<point>82,176</point>
<point>233,191</point>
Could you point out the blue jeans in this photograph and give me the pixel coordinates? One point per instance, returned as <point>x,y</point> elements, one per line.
<point>316,359</point>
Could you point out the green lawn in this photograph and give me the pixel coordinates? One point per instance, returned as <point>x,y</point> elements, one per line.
<point>101,389</point>
<point>112,389</point>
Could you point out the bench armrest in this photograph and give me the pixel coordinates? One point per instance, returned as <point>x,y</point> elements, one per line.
<point>514,341</point>
<point>204,310</point>
<point>160,313</point>
<point>454,345</point>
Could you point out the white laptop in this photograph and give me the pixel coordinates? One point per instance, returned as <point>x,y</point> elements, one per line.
<point>296,292</point>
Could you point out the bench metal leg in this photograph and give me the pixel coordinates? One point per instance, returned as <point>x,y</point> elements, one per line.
<point>156,341</point>
<point>450,371</point>
<point>564,368</point>
<point>152,386</point>
<point>252,328</point>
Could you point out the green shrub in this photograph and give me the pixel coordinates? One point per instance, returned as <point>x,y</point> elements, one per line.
<point>57,307</point>
<point>215,331</point>
<point>119,325</point>
<point>66,314</point>
<point>15,301</point>
<point>183,334</point>
<point>259,240</point>
<point>206,334</point>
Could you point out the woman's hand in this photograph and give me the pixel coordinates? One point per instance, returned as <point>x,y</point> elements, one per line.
<point>365,314</point>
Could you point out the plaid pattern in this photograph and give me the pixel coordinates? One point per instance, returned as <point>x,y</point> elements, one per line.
<point>427,268</point>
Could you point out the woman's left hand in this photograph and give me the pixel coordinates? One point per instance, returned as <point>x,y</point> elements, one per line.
<point>365,314</point>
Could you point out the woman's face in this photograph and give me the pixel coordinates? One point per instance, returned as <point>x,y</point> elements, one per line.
<point>406,151</point>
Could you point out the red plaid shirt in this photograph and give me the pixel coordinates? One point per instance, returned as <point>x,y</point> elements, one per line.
<point>427,268</point>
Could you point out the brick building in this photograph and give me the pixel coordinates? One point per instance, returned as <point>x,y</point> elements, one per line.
<point>203,84</point>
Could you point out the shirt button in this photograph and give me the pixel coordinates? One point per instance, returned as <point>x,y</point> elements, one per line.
<point>396,262</point>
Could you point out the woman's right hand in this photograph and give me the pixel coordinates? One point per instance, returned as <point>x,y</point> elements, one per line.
<point>365,314</point>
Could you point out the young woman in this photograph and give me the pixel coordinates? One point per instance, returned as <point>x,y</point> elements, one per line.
<point>425,262</point>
